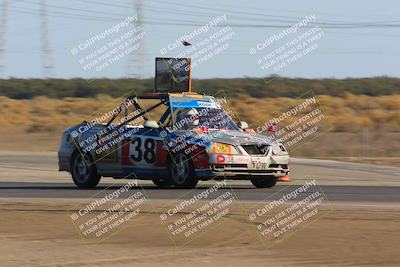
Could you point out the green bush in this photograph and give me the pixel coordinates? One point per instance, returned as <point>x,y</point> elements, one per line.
<point>254,87</point>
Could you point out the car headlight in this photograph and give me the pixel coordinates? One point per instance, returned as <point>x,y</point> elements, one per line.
<point>221,148</point>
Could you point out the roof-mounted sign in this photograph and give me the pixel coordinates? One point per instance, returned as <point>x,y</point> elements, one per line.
<point>173,75</point>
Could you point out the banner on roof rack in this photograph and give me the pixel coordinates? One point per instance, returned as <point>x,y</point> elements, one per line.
<point>182,102</point>
<point>173,75</point>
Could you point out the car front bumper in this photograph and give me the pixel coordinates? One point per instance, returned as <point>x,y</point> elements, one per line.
<point>229,171</point>
<point>244,167</point>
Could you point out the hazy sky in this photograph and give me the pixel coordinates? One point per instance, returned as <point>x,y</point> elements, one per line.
<point>360,38</point>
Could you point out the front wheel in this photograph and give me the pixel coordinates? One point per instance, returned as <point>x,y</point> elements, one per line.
<point>84,172</point>
<point>182,172</point>
<point>264,182</point>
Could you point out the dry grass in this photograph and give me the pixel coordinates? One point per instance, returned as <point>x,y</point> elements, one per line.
<point>363,126</point>
<point>348,114</point>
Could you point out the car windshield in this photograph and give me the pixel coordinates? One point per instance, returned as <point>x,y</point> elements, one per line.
<point>211,118</point>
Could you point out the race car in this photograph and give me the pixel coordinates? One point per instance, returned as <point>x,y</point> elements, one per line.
<point>194,139</point>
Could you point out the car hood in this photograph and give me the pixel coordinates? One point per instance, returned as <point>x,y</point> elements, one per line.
<point>232,137</point>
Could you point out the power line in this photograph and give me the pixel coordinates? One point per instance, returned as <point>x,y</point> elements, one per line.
<point>57,14</point>
<point>180,22</point>
<point>75,9</point>
<point>165,17</point>
<point>233,25</point>
<point>264,15</point>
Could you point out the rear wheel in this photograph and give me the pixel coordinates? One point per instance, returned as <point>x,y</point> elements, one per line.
<point>264,182</point>
<point>182,172</point>
<point>83,171</point>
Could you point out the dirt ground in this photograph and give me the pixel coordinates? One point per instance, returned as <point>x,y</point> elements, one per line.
<point>41,233</point>
<point>36,232</point>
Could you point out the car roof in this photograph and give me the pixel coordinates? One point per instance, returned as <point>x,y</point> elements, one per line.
<point>168,96</point>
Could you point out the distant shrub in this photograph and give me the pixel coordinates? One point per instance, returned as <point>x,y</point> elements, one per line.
<point>253,87</point>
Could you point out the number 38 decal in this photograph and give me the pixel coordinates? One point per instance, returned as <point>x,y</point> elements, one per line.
<point>142,149</point>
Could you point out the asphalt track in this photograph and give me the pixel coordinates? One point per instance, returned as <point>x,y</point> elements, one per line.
<point>35,176</point>
<point>242,192</point>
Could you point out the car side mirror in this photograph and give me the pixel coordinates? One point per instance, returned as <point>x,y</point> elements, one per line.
<point>151,124</point>
<point>243,125</point>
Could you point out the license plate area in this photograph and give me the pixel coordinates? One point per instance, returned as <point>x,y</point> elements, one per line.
<point>259,163</point>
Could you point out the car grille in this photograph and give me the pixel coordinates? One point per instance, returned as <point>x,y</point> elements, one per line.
<point>283,166</point>
<point>220,166</point>
<point>256,149</point>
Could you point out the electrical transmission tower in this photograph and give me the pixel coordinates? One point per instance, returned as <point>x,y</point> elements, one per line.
<point>3,27</point>
<point>136,59</point>
<point>47,63</point>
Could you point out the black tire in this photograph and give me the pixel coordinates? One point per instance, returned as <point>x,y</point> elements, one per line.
<point>181,172</point>
<point>264,182</point>
<point>83,171</point>
<point>164,183</point>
